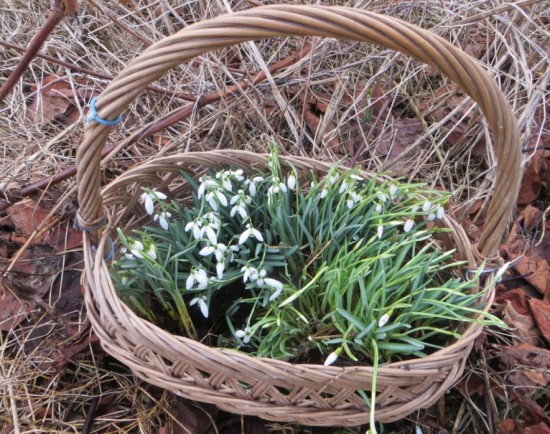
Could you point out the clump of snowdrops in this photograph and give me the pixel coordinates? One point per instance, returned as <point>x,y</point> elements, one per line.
<point>330,267</point>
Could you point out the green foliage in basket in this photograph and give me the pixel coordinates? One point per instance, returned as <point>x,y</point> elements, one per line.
<point>318,268</point>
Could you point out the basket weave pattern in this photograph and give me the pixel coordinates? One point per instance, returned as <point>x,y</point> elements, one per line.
<point>234,381</point>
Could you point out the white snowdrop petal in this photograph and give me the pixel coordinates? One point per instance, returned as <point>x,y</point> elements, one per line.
<point>380,231</point>
<point>220,266</point>
<point>190,281</point>
<point>240,333</point>
<point>212,237</point>
<point>163,223</point>
<point>324,193</point>
<point>204,307</point>
<point>257,234</point>
<point>221,198</point>
<point>244,236</point>
<point>431,216</point>
<point>291,182</point>
<point>440,212</point>
<point>205,251</point>
<point>160,195</point>
<point>194,301</point>
<point>201,276</point>
<point>427,206</point>
<point>408,225</point>
<point>273,283</point>
<point>276,294</point>
<point>149,205</point>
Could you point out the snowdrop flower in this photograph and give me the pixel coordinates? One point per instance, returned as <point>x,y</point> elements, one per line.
<point>196,227</point>
<point>276,285</point>
<point>259,278</point>
<point>427,206</point>
<point>245,334</point>
<point>353,199</point>
<point>198,275</point>
<point>136,249</point>
<point>380,231</point>
<point>240,202</point>
<point>408,225</point>
<point>378,208</point>
<point>277,186</point>
<point>149,197</point>
<point>383,320</point>
<point>234,249</point>
<point>214,197</point>
<point>252,187</point>
<point>225,177</point>
<point>218,250</point>
<point>332,357</point>
<point>382,197</point>
<point>206,184</point>
<point>210,227</point>
<point>291,182</point>
<point>332,179</point>
<point>393,190</point>
<point>323,194</point>
<point>250,231</point>
<point>440,212</point>
<point>163,219</point>
<point>343,187</point>
<point>151,252</point>
<point>431,216</point>
<point>249,272</point>
<point>202,304</point>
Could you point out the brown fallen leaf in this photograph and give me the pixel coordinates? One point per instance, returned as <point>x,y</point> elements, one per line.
<point>517,297</point>
<point>525,330</point>
<point>541,428</point>
<point>541,314</point>
<point>532,181</point>
<point>525,355</point>
<point>509,426</point>
<point>404,132</point>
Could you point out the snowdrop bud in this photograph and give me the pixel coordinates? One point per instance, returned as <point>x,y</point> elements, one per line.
<point>383,320</point>
<point>324,193</point>
<point>440,212</point>
<point>380,231</point>
<point>393,190</point>
<point>332,357</point>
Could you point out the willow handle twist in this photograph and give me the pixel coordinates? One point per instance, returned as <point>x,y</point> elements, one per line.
<point>294,20</point>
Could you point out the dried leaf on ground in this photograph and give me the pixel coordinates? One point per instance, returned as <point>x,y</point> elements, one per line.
<point>28,216</point>
<point>525,330</point>
<point>53,98</point>
<point>535,177</point>
<point>541,428</point>
<point>404,132</point>
<point>541,314</point>
<point>517,297</point>
<point>530,259</point>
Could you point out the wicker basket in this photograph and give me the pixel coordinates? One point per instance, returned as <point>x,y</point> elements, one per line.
<point>234,381</point>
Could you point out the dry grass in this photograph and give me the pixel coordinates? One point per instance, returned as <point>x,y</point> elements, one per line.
<point>103,35</point>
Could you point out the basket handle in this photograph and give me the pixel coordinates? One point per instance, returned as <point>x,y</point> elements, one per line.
<point>294,20</point>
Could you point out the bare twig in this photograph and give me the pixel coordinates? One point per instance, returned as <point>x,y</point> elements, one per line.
<point>59,9</point>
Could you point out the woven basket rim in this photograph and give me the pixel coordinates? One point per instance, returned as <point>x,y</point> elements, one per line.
<point>159,357</point>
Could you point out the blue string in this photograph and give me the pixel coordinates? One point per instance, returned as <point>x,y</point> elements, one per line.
<point>111,250</point>
<point>94,117</point>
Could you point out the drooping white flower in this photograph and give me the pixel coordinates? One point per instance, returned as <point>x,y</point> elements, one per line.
<point>427,206</point>
<point>202,304</point>
<point>343,187</point>
<point>148,199</point>
<point>380,231</point>
<point>199,276</point>
<point>431,216</point>
<point>332,179</point>
<point>440,212</point>
<point>249,272</point>
<point>408,225</point>
<point>393,190</point>
<point>209,229</point>
<point>250,231</point>
<point>196,226</point>
<point>151,251</point>
<point>136,249</point>
<point>383,320</point>
<point>353,198</point>
<point>276,285</point>
<point>218,249</point>
<point>207,184</point>
<point>245,334</point>
<point>378,208</point>
<point>277,186</point>
<point>323,194</point>
<point>291,182</point>
<point>252,187</point>
<point>162,218</point>
<point>260,277</point>
<point>382,197</point>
